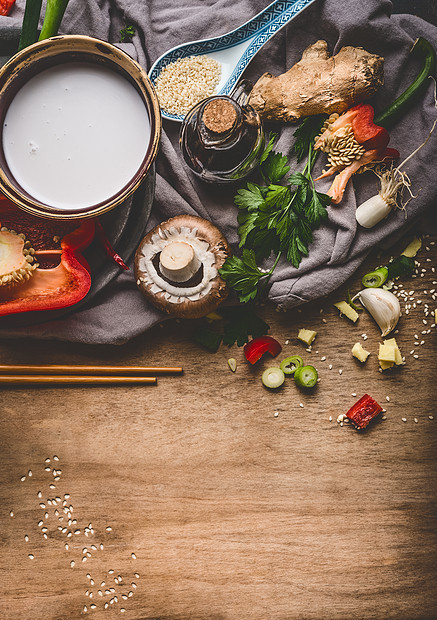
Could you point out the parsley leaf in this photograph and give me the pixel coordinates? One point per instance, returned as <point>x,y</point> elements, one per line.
<point>306,133</point>
<point>274,168</point>
<point>267,150</point>
<point>316,209</point>
<point>243,275</point>
<point>242,322</point>
<point>126,34</point>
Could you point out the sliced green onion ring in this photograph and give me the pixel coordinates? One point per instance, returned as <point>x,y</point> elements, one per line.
<point>375,279</point>
<point>290,364</point>
<point>306,376</point>
<point>273,377</point>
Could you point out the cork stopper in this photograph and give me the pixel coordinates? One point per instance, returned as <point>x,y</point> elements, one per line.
<point>219,115</point>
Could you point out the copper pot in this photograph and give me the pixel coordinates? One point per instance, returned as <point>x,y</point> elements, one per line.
<point>64,49</point>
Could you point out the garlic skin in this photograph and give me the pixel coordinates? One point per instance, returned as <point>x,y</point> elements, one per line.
<point>383,306</point>
<point>372,211</point>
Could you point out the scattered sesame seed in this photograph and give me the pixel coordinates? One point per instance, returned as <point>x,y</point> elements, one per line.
<point>340,371</point>
<point>29,473</point>
<point>276,414</point>
<point>330,366</point>
<point>431,417</point>
<point>324,321</point>
<point>404,419</point>
<point>416,420</point>
<point>23,478</point>
<point>330,418</point>
<point>26,538</point>
<point>72,563</point>
<point>301,405</point>
<point>109,529</point>
<point>384,417</point>
<point>122,610</point>
<point>11,514</point>
<point>31,556</point>
<point>353,394</point>
<point>387,398</point>
<point>323,358</point>
<point>136,575</point>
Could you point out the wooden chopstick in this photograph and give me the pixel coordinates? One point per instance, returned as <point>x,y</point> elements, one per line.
<point>73,380</point>
<point>57,369</point>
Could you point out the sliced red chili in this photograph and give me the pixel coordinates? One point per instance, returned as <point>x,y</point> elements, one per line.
<point>108,247</point>
<point>256,348</point>
<point>363,411</point>
<point>6,6</point>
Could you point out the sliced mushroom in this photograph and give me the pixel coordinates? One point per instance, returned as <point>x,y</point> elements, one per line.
<point>177,263</point>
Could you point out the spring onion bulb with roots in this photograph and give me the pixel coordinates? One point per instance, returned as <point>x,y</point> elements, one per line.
<point>393,182</point>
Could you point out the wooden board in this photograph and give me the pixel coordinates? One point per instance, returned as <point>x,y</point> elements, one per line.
<point>232,512</point>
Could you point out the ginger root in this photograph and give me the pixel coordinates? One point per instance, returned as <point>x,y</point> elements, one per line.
<point>318,84</point>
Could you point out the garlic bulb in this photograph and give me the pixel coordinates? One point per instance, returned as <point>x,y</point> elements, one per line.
<point>383,306</point>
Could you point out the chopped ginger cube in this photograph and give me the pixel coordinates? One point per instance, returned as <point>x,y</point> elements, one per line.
<point>359,352</point>
<point>385,365</point>
<point>307,335</point>
<point>412,248</point>
<point>398,357</point>
<point>347,310</point>
<point>435,316</point>
<point>386,353</point>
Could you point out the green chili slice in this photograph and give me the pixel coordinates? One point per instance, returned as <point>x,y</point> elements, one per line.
<point>273,377</point>
<point>290,364</point>
<point>306,376</point>
<point>376,278</point>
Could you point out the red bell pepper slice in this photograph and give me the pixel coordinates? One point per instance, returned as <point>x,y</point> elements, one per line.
<point>6,6</point>
<point>56,287</point>
<point>366,133</point>
<point>256,348</point>
<point>363,411</point>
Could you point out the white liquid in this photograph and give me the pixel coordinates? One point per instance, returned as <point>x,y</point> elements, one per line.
<point>75,134</point>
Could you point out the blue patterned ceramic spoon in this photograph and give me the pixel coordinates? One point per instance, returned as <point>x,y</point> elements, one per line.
<point>235,49</point>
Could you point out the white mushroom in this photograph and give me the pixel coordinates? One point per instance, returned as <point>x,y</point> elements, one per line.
<point>177,263</point>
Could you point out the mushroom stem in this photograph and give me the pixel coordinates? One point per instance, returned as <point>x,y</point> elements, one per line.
<point>178,261</point>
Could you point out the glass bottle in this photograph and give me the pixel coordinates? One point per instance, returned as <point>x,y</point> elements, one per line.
<point>221,140</point>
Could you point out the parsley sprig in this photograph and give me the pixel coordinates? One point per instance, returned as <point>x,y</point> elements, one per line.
<point>276,218</point>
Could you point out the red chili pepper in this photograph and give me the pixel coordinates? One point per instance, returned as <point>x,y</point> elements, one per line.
<point>57,287</point>
<point>363,411</point>
<point>6,6</point>
<point>108,247</point>
<point>256,348</point>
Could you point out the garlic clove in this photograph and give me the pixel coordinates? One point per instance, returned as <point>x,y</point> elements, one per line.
<point>383,306</point>
<point>372,211</point>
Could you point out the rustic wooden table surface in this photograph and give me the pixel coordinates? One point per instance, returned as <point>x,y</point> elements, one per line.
<point>209,497</point>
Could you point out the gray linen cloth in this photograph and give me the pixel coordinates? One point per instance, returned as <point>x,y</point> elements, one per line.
<point>339,247</point>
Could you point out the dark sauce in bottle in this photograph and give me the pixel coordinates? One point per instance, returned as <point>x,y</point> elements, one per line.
<point>221,141</point>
